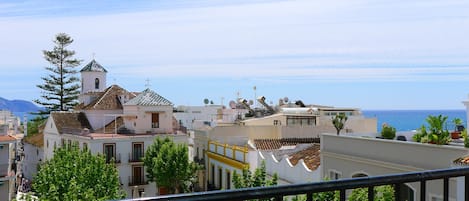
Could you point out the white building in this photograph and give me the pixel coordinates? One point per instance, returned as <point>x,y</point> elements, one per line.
<point>116,123</point>
<point>365,156</point>
<point>197,117</point>
<point>287,124</point>
<point>33,155</point>
<point>9,123</point>
<point>7,171</point>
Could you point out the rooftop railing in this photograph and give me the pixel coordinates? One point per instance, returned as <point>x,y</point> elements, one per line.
<point>309,189</point>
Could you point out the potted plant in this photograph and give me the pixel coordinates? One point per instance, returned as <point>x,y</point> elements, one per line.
<point>456,134</point>
<point>421,134</point>
<point>437,134</point>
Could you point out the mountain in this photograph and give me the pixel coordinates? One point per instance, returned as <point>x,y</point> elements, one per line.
<point>18,106</point>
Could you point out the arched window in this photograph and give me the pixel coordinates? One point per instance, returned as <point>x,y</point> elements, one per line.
<point>96,83</point>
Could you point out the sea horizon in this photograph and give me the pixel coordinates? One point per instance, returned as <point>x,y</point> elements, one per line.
<point>408,120</point>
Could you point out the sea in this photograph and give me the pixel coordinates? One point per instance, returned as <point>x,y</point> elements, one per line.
<point>408,120</point>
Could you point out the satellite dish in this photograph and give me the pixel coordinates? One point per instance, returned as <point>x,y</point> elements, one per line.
<point>251,102</point>
<point>285,99</point>
<point>232,104</point>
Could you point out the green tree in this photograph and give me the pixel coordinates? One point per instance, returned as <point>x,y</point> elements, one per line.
<point>61,87</point>
<point>168,165</point>
<point>381,193</point>
<point>74,174</point>
<point>437,133</point>
<point>339,121</point>
<point>34,124</point>
<point>388,132</point>
<point>248,180</point>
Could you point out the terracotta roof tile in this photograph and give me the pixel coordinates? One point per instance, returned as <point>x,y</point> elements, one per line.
<point>36,140</point>
<point>310,155</point>
<point>70,121</point>
<point>464,161</point>
<point>6,139</point>
<point>108,100</point>
<point>272,144</point>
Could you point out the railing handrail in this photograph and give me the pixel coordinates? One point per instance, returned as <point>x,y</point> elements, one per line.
<point>296,189</point>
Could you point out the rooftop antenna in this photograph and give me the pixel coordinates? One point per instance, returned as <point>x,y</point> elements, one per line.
<point>255,95</point>
<point>147,84</point>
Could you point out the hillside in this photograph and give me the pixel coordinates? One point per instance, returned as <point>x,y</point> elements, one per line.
<point>17,106</point>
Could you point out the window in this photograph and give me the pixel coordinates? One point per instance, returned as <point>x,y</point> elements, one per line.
<point>137,151</point>
<point>137,176</point>
<point>109,152</point>
<point>220,178</point>
<point>213,174</point>
<point>63,143</point>
<point>197,155</point>
<point>155,120</point>
<point>334,175</point>
<point>55,145</point>
<point>85,146</point>
<point>303,121</point>
<point>228,180</point>
<point>47,144</point>
<point>277,122</point>
<point>96,83</point>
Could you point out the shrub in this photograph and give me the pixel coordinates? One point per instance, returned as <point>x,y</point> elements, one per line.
<point>388,132</point>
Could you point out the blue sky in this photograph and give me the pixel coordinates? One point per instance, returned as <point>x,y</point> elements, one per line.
<point>369,54</point>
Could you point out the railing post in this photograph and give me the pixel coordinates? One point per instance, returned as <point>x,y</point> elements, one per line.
<point>342,194</point>
<point>309,196</point>
<point>397,192</point>
<point>466,187</point>
<point>371,193</point>
<point>445,189</point>
<point>423,190</point>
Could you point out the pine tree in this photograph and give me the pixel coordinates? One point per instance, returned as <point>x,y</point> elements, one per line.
<point>61,87</point>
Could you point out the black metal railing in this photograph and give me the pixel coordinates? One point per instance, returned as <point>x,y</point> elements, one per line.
<point>136,157</point>
<point>116,159</point>
<point>137,181</point>
<point>342,185</point>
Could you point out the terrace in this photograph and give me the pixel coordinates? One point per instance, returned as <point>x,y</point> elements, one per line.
<point>342,185</point>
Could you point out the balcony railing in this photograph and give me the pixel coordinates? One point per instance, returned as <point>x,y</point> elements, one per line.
<point>133,157</point>
<point>342,185</point>
<point>117,158</point>
<point>137,181</point>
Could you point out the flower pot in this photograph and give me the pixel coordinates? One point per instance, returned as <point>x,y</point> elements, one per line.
<point>455,135</point>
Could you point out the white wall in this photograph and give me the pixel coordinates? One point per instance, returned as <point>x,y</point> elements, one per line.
<point>190,114</point>
<point>100,118</point>
<point>51,137</point>
<point>33,155</point>
<point>88,81</point>
<point>293,174</point>
<point>349,155</point>
<point>123,147</point>
<point>142,124</point>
